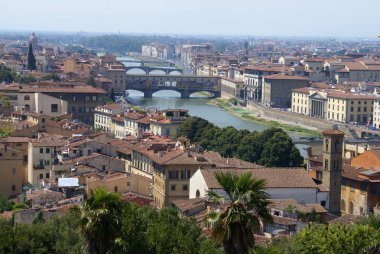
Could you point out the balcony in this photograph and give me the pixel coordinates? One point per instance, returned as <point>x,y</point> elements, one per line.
<point>39,166</point>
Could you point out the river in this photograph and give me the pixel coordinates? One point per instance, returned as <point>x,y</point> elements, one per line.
<point>197,106</point>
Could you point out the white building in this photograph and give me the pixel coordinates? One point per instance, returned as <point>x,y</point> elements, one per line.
<point>103,116</point>
<point>281,183</point>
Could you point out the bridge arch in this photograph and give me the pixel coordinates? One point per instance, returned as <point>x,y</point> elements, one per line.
<point>134,93</point>
<point>157,72</point>
<point>175,73</point>
<point>136,70</point>
<point>164,93</point>
<point>202,94</point>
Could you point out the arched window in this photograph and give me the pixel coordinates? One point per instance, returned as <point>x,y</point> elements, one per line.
<point>351,208</point>
<point>27,107</point>
<point>26,97</point>
<point>342,205</point>
<point>197,194</point>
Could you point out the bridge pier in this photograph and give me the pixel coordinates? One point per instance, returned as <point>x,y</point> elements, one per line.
<point>185,95</point>
<point>148,94</point>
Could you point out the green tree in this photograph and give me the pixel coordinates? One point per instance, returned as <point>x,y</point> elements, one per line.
<point>31,59</point>
<point>90,81</point>
<point>100,221</point>
<point>27,79</point>
<point>6,75</point>
<point>234,227</point>
<point>53,77</point>
<point>5,204</point>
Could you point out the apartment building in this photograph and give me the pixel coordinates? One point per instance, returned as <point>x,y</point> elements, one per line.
<point>332,104</point>
<point>12,171</point>
<point>277,89</point>
<point>103,116</point>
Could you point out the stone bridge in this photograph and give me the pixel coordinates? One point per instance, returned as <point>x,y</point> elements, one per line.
<point>184,84</point>
<point>147,69</point>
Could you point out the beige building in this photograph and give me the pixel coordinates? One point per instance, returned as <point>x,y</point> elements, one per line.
<point>42,157</point>
<point>12,171</point>
<point>103,116</point>
<point>231,88</point>
<point>277,89</point>
<point>117,182</point>
<point>332,104</point>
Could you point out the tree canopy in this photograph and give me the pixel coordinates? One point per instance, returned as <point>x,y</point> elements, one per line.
<point>272,147</point>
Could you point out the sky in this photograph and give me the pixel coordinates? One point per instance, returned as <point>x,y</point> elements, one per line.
<point>321,18</point>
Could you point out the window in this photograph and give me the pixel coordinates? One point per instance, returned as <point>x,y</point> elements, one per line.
<point>87,98</point>
<point>47,150</point>
<point>172,187</point>
<point>73,109</point>
<point>26,98</point>
<point>94,98</point>
<point>43,120</point>
<point>352,185</point>
<point>47,175</point>
<point>27,107</point>
<point>342,205</point>
<point>363,187</point>
<point>197,194</point>
<point>372,189</point>
<point>276,213</point>
<point>41,176</point>
<point>13,187</point>
<point>128,183</point>
<point>14,154</point>
<point>104,168</point>
<point>41,150</point>
<point>185,187</point>
<point>351,208</point>
<point>327,144</point>
<point>359,109</point>
<point>54,107</point>
<point>115,188</point>
<point>47,163</point>
<point>323,203</point>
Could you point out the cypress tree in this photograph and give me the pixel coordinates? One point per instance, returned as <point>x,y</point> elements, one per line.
<point>31,59</point>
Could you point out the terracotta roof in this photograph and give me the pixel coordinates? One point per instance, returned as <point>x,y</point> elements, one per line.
<point>110,106</point>
<point>333,132</point>
<point>274,177</point>
<point>283,204</point>
<point>283,221</point>
<point>16,140</point>
<point>63,89</point>
<point>345,219</point>
<point>285,77</point>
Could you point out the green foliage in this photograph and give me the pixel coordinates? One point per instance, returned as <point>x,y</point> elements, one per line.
<point>58,235</point>
<point>27,79</point>
<point>90,81</point>
<point>360,238</point>
<point>7,76</point>
<point>53,77</point>
<point>5,204</point>
<point>31,59</point>
<point>235,226</point>
<point>233,101</point>
<point>272,147</point>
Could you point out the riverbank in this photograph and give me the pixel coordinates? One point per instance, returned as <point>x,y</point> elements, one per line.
<point>248,115</point>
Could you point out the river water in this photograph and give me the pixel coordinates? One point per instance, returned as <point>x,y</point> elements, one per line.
<point>197,106</point>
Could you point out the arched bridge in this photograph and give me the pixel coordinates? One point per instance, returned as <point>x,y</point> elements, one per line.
<point>184,84</point>
<point>148,69</point>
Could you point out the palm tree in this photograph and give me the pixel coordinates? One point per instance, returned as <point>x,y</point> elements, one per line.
<point>100,222</point>
<point>234,227</point>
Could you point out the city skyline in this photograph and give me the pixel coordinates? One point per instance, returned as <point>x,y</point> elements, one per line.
<point>270,18</point>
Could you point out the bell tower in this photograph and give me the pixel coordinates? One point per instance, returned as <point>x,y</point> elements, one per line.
<point>332,166</point>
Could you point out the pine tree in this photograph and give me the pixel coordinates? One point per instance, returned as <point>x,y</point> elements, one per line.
<point>31,59</point>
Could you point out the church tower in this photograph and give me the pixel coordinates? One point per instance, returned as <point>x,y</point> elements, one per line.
<point>332,166</point>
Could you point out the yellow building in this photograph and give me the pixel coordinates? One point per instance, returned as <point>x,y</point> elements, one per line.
<point>333,104</point>
<point>12,171</point>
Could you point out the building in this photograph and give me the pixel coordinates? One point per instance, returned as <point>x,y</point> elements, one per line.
<point>332,167</point>
<point>281,183</point>
<point>167,122</point>
<point>12,171</point>
<point>333,104</point>
<point>42,157</point>
<point>103,116</point>
<point>277,89</point>
<point>231,88</point>
<point>253,79</point>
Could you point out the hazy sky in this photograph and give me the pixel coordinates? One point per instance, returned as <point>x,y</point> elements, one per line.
<point>229,17</point>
